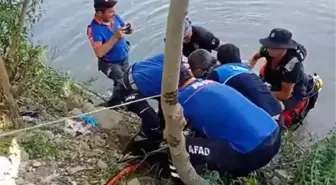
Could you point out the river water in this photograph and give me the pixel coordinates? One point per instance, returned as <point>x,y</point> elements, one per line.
<point>241,22</point>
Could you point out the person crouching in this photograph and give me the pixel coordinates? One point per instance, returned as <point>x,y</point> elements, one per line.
<point>235,135</point>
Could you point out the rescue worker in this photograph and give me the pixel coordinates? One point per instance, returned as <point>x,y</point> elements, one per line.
<point>202,63</point>
<point>105,33</point>
<point>143,79</point>
<point>284,69</point>
<point>216,144</point>
<point>234,73</point>
<point>145,76</point>
<point>222,148</point>
<point>197,37</point>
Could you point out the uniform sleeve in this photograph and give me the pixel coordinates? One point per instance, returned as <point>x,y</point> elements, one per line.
<point>213,76</point>
<point>209,40</point>
<point>120,20</point>
<point>294,74</point>
<point>94,35</point>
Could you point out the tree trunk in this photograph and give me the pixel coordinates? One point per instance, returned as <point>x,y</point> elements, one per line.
<point>3,72</point>
<point>6,87</point>
<point>16,37</point>
<point>172,110</point>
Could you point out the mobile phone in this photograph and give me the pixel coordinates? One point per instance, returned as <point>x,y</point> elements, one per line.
<point>128,26</point>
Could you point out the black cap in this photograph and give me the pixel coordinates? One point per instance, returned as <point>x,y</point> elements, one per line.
<point>228,53</point>
<point>102,4</point>
<point>279,38</point>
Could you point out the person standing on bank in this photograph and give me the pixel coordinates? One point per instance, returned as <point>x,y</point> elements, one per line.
<point>105,33</point>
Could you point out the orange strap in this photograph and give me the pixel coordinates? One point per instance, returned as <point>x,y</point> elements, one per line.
<point>129,169</point>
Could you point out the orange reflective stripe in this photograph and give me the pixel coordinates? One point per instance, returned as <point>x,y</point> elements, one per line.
<point>90,37</point>
<point>89,32</point>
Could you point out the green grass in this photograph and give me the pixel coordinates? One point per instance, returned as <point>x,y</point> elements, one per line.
<point>312,166</point>
<point>318,166</point>
<point>39,146</point>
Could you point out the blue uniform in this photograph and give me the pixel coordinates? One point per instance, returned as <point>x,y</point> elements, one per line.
<point>241,78</point>
<point>227,71</point>
<point>220,112</point>
<point>100,32</point>
<point>147,75</point>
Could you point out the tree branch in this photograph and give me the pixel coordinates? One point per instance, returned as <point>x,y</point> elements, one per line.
<point>15,40</point>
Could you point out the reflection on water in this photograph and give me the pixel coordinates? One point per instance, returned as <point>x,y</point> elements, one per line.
<point>241,22</point>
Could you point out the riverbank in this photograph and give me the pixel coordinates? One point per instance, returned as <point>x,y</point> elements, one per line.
<point>52,156</point>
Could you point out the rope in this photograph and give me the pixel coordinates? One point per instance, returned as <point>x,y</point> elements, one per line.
<point>71,117</point>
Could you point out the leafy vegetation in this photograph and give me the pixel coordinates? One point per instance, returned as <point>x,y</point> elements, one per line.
<point>39,146</point>
<point>304,166</point>
<point>32,82</point>
<point>318,165</point>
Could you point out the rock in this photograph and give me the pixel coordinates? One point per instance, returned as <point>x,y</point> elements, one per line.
<point>74,102</point>
<point>276,181</point>
<point>23,167</point>
<point>24,155</point>
<point>76,169</point>
<point>134,181</point>
<point>44,171</point>
<point>108,118</point>
<point>63,180</point>
<point>20,181</point>
<point>49,178</point>
<point>75,111</point>
<point>98,141</point>
<point>58,139</point>
<point>282,174</point>
<point>48,134</point>
<point>52,164</point>
<point>30,184</point>
<point>29,177</point>
<point>88,107</point>
<point>85,146</point>
<point>85,183</point>
<point>37,164</point>
<point>98,151</point>
<point>150,181</point>
<point>102,165</point>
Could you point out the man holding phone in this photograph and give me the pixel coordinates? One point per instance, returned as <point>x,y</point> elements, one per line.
<point>105,33</point>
